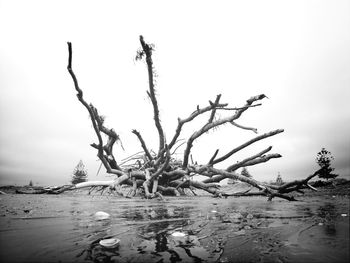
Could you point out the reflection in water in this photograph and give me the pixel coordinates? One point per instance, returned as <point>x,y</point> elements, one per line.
<point>174,249</point>
<point>159,244</point>
<point>213,228</point>
<point>150,238</point>
<point>153,242</point>
<point>156,212</point>
<point>156,245</point>
<point>304,211</point>
<point>328,213</point>
<point>330,229</point>
<point>328,210</point>
<point>96,253</point>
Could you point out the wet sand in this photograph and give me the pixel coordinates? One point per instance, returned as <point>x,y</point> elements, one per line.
<point>47,228</point>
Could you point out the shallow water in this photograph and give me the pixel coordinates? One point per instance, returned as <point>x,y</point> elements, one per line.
<point>47,228</point>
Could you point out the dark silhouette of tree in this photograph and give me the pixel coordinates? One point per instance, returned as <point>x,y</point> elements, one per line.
<point>324,159</point>
<point>279,180</point>
<point>30,183</point>
<point>80,174</point>
<point>245,172</point>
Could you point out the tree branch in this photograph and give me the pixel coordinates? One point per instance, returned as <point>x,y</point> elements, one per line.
<point>255,130</point>
<point>219,122</point>
<point>164,166</point>
<point>80,97</point>
<point>112,138</point>
<point>212,115</point>
<point>297,184</point>
<point>242,146</point>
<point>143,144</point>
<point>147,49</point>
<point>93,117</point>
<point>213,157</point>
<point>262,159</point>
<point>245,161</point>
<point>193,115</point>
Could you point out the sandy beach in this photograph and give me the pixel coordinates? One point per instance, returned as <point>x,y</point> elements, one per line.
<point>62,228</point>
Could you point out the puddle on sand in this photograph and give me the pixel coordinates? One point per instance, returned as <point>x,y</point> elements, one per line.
<point>154,247</point>
<point>216,230</point>
<point>150,239</point>
<point>326,240</point>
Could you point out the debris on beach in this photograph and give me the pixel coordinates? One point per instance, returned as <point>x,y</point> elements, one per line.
<point>100,215</point>
<point>178,234</point>
<point>110,242</point>
<point>236,217</point>
<point>250,216</point>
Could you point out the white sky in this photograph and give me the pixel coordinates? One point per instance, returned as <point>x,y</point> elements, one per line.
<point>295,52</point>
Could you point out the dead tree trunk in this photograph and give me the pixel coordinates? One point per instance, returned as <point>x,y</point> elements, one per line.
<point>160,173</point>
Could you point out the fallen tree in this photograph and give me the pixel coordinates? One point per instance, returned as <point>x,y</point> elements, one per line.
<point>156,173</point>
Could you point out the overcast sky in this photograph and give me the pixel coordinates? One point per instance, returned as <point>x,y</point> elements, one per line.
<point>295,52</point>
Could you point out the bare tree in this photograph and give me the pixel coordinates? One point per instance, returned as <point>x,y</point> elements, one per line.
<point>159,173</point>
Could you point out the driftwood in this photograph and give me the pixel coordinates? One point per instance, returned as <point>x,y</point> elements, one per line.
<point>159,173</point>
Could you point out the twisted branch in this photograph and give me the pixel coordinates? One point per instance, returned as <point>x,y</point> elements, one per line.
<point>214,124</point>
<point>147,49</point>
<point>244,145</point>
<point>143,144</point>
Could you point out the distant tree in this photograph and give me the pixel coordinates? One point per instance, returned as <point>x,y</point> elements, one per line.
<point>245,172</point>
<point>324,159</point>
<point>79,174</point>
<point>279,180</point>
<point>30,183</point>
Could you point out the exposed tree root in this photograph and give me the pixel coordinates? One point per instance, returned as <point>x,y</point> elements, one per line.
<point>159,173</point>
